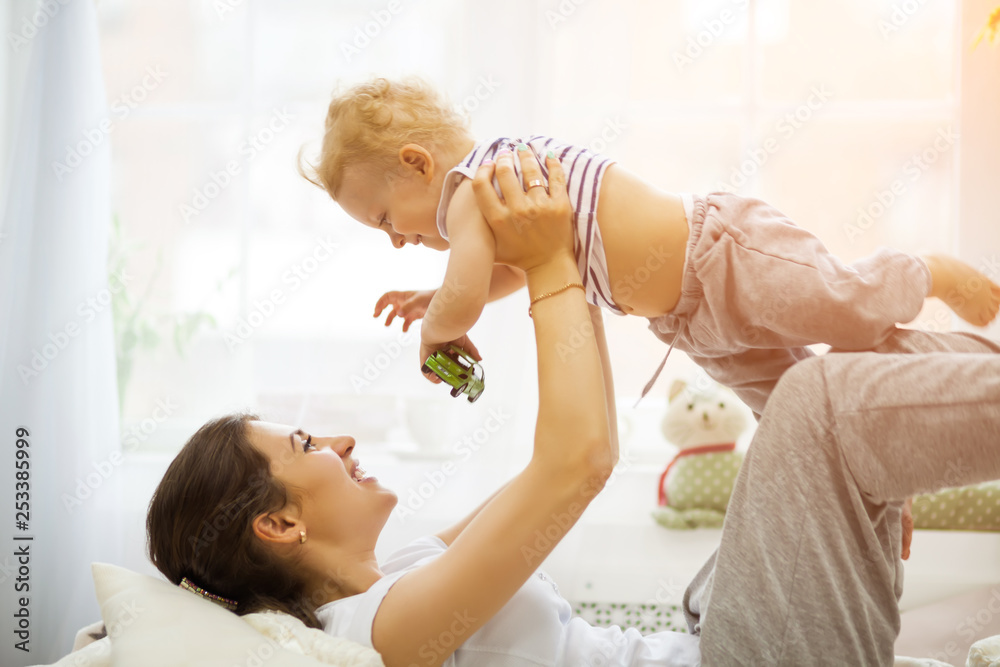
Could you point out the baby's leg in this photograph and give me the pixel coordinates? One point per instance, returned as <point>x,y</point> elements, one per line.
<point>973,296</point>
<point>808,571</point>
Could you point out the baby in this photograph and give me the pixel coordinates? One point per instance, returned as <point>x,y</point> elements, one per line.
<point>728,279</point>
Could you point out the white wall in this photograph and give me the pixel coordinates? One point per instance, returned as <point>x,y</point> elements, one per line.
<point>979,215</point>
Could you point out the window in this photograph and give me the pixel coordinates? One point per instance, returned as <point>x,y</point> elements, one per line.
<point>843,117</point>
<point>215,100</point>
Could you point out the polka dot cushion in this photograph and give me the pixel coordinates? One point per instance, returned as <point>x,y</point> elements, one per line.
<point>646,618</point>
<point>967,508</point>
<point>703,481</point>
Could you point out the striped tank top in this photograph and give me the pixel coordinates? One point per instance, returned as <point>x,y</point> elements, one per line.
<point>584,170</point>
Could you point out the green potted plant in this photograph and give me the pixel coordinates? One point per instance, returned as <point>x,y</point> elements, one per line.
<point>135,328</point>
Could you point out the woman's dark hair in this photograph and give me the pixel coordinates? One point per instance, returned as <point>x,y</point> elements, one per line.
<point>199,523</point>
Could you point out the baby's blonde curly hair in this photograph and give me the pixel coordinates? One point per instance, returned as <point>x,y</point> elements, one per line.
<point>368,123</point>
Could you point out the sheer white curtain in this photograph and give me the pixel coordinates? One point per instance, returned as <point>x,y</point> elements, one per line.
<point>57,350</point>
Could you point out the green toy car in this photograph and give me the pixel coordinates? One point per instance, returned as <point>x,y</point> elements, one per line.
<point>458,369</point>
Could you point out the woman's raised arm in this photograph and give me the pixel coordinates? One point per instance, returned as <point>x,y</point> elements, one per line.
<point>505,543</point>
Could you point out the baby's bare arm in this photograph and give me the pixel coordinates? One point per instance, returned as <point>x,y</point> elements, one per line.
<point>466,287</point>
<point>506,280</point>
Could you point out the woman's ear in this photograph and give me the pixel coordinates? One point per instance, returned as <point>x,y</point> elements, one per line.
<point>277,528</point>
<point>415,159</point>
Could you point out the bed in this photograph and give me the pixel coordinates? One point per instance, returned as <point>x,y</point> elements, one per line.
<point>617,567</point>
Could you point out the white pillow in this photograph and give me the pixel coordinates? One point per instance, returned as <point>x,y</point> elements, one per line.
<point>151,622</point>
<point>985,652</point>
<point>94,654</point>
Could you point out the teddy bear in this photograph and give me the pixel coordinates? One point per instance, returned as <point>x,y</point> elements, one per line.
<point>704,424</point>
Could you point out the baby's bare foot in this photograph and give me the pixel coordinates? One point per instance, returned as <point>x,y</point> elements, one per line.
<point>973,296</point>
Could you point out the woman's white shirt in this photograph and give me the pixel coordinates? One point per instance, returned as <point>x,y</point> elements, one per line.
<point>535,627</point>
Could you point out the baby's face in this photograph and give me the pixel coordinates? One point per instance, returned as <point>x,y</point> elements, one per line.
<point>403,206</point>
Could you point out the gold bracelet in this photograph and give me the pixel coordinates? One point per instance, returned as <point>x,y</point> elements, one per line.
<point>548,294</point>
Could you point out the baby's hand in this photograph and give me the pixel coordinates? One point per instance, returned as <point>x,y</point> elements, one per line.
<point>427,350</point>
<point>973,296</point>
<point>411,305</point>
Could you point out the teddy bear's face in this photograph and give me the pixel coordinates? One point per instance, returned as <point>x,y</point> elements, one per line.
<point>711,418</point>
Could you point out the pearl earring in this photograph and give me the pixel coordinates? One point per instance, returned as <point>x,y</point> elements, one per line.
<point>302,537</point>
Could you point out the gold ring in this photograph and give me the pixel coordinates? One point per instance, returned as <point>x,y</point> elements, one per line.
<point>537,183</point>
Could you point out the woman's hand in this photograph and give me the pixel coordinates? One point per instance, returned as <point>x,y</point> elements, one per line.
<point>571,460</point>
<point>530,227</point>
<point>410,305</point>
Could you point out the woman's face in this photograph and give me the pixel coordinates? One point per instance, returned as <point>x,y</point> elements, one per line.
<point>321,478</point>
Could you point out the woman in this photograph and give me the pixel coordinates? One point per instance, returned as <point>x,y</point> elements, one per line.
<point>271,517</point>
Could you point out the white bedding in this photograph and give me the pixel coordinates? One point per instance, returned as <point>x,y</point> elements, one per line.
<point>153,623</point>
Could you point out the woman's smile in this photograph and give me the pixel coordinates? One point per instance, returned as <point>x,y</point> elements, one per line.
<point>359,475</point>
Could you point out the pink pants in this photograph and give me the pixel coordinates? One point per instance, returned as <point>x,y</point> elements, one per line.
<point>757,289</point>
<point>808,571</point>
